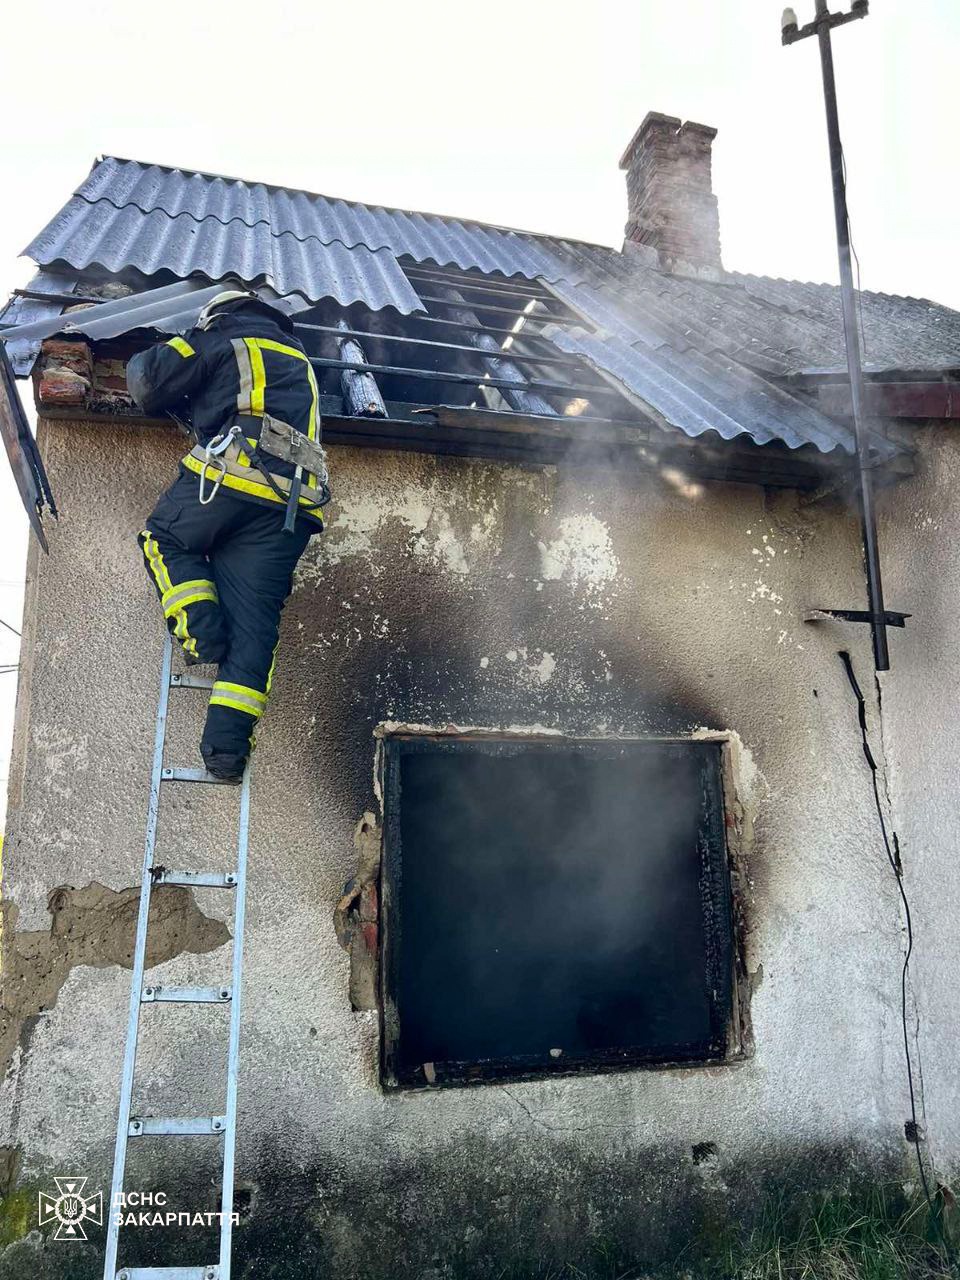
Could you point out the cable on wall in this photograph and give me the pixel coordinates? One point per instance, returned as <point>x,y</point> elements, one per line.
<point>892,847</point>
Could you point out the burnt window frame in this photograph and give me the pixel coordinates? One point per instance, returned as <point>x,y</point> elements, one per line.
<point>722,858</point>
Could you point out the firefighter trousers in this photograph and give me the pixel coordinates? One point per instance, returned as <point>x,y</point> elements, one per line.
<point>223,573</point>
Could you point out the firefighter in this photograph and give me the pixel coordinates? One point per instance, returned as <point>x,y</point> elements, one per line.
<point>221,544</point>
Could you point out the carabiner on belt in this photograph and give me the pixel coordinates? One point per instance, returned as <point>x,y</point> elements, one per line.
<point>213,452</point>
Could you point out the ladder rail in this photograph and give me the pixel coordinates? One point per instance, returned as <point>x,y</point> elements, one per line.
<point>233,1056</point>
<point>131,1128</point>
<point>136,980</point>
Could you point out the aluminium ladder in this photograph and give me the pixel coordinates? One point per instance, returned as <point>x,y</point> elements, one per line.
<point>131,1127</point>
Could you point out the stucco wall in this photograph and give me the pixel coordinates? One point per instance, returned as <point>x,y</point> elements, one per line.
<point>455,591</point>
<point>920,534</point>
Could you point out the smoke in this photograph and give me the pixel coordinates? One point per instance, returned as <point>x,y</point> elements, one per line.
<point>551,899</point>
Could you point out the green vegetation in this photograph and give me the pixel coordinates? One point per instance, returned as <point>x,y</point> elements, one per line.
<point>18,1215</point>
<point>875,1235</point>
<point>845,1237</point>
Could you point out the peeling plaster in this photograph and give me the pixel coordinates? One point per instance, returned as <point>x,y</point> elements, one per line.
<point>360,515</point>
<point>545,667</point>
<point>581,554</point>
<point>530,672</point>
<point>356,916</point>
<point>65,756</point>
<point>646,639</point>
<point>93,926</point>
<point>750,786</point>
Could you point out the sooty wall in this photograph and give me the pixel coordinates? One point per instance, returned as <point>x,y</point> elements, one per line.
<point>599,927</point>
<point>445,592</point>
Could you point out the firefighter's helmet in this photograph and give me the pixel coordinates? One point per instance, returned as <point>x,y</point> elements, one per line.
<point>225,301</point>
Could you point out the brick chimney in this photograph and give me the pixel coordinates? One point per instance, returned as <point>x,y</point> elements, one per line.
<point>670,202</point>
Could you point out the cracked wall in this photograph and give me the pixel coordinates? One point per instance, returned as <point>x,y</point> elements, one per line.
<point>460,592</point>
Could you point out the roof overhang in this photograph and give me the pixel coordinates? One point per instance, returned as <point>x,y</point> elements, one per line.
<point>916,394</point>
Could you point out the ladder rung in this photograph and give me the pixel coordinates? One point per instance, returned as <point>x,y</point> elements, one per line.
<point>169,1273</point>
<point>185,681</point>
<point>193,775</point>
<point>149,987</point>
<point>198,879</point>
<point>186,995</point>
<point>175,1126</point>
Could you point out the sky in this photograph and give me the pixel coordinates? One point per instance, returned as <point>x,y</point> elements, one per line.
<point>514,112</point>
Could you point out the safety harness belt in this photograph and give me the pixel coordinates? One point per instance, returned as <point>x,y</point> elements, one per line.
<point>231,453</point>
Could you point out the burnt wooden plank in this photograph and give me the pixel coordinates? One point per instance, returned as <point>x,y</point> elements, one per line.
<point>895,399</point>
<point>361,395</point>
<point>497,363</point>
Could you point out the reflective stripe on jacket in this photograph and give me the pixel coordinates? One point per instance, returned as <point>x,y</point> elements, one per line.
<point>250,362</point>
<point>250,483</point>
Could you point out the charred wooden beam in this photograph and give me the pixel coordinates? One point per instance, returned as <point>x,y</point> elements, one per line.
<point>569,361</point>
<point>500,366</point>
<point>895,399</point>
<point>518,384</point>
<point>559,318</point>
<point>479,433</point>
<point>482,284</point>
<point>361,395</point>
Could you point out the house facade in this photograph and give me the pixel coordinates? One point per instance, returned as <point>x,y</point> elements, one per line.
<point>554,747</point>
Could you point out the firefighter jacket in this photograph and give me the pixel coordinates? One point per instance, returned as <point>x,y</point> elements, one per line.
<point>250,363</point>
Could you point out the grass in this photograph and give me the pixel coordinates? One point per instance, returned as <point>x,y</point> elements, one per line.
<point>876,1235</point>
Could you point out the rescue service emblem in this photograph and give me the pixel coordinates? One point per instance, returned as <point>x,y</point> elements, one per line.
<point>71,1209</point>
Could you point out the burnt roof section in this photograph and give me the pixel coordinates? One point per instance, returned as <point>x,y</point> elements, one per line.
<point>702,355</point>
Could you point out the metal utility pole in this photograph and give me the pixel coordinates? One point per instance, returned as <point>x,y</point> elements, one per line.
<point>821,27</point>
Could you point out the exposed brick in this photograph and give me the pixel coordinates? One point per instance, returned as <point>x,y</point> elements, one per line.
<point>355,916</point>
<point>65,354</point>
<point>368,902</point>
<point>670,202</point>
<point>61,386</point>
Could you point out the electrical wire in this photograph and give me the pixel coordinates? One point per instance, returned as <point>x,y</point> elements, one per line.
<point>853,250</point>
<point>892,848</point>
<point>9,628</point>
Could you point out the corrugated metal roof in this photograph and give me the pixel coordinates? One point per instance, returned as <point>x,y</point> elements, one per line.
<point>127,214</point>
<point>309,215</point>
<point>699,393</point>
<point>170,310</point>
<point>685,388</point>
<point>174,308</point>
<point>84,235</point>
<point>425,237</point>
<point>22,351</point>
<point>775,326</point>
<point>898,332</point>
<point>699,353</point>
